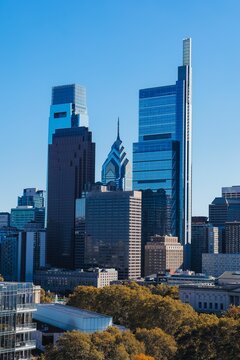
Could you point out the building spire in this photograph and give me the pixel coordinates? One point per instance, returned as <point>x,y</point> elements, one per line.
<point>118,136</point>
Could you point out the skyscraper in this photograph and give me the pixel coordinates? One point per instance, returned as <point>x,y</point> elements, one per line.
<point>71,169</point>
<point>162,157</point>
<point>116,167</point>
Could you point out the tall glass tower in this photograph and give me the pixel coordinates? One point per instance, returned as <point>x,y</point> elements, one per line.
<point>117,168</point>
<point>162,157</point>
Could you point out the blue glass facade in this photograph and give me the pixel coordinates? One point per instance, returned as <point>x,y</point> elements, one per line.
<point>162,156</point>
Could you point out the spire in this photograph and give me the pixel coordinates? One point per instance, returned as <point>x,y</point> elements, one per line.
<point>118,136</point>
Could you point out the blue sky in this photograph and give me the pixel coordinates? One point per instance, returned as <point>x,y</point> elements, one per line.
<point>114,48</point>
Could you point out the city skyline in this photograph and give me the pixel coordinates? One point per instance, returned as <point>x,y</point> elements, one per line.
<point>216,48</point>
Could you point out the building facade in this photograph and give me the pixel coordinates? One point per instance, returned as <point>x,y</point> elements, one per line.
<point>112,230</point>
<point>117,168</point>
<point>22,215</point>
<point>163,253</point>
<point>162,156</point>
<point>71,170</point>
<point>32,197</point>
<point>16,326</point>
<point>4,219</point>
<point>232,237</point>
<point>62,281</point>
<point>216,264</point>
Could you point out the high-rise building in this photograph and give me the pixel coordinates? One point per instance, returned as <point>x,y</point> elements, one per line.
<point>71,170</point>
<point>16,326</point>
<point>112,233</point>
<point>223,209</point>
<point>232,192</point>
<point>117,168</point>
<point>32,197</point>
<point>163,253</point>
<point>4,219</point>
<point>162,156</point>
<point>232,237</point>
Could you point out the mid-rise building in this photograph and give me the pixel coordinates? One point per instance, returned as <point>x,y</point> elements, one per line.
<point>162,156</point>
<point>112,232</point>
<point>22,215</point>
<point>4,219</point>
<point>71,170</point>
<point>163,253</point>
<point>216,264</point>
<point>61,281</point>
<point>17,305</point>
<point>117,168</point>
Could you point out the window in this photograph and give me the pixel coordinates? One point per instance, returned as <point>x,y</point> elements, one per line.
<point>221,306</point>
<point>216,306</point>
<point>60,114</point>
<point>200,305</point>
<point>210,305</point>
<point>205,305</point>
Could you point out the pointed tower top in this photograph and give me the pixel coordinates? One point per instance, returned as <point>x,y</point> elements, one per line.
<point>118,136</point>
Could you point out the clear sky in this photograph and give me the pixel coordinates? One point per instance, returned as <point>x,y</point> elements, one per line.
<point>114,48</point>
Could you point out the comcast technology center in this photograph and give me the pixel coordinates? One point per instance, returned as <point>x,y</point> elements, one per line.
<point>16,327</point>
<point>162,156</point>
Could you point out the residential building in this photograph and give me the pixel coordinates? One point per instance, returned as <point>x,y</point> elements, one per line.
<point>4,219</point>
<point>232,237</point>
<point>61,281</point>
<point>112,233</point>
<point>16,326</point>
<point>162,156</point>
<point>216,264</point>
<point>117,168</point>
<point>22,215</point>
<point>163,253</point>
<point>71,170</point>
<point>54,319</point>
<point>32,197</point>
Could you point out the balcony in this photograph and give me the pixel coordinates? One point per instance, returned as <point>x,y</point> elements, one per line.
<point>22,328</point>
<point>25,345</point>
<point>26,308</point>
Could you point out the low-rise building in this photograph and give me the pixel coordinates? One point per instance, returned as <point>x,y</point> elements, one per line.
<point>54,319</point>
<point>213,298</point>
<point>63,281</point>
<point>216,264</point>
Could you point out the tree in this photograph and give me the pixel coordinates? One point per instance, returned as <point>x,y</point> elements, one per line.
<point>142,357</point>
<point>233,312</point>
<point>46,297</point>
<point>157,343</point>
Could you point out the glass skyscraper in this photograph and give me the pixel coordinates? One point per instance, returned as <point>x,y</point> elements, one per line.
<point>117,168</point>
<point>162,156</point>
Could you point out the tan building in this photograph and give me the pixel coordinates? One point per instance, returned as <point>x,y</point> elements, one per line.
<point>163,253</point>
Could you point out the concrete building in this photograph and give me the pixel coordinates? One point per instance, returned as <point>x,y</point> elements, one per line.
<point>63,281</point>
<point>213,298</point>
<point>54,319</point>
<point>163,253</point>
<point>216,264</point>
<point>17,305</point>
<point>110,234</point>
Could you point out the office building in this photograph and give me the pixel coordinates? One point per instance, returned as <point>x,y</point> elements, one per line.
<point>71,170</point>
<point>224,209</point>
<point>205,239</point>
<point>68,108</point>
<point>16,326</point>
<point>61,281</point>
<point>232,237</point>
<point>231,192</point>
<point>32,197</point>
<point>22,215</point>
<point>117,168</point>
<point>163,253</point>
<point>4,219</point>
<point>55,319</point>
<point>162,156</point>
<point>22,252</point>
<point>112,234</point>
<point>216,264</point>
